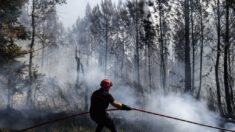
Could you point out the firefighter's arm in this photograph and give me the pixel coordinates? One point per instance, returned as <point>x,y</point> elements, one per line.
<point>121,106</point>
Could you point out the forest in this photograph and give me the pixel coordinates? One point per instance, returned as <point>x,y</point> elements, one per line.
<point>169,56</point>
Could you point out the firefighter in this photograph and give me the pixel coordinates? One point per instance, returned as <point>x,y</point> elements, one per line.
<point>100,101</point>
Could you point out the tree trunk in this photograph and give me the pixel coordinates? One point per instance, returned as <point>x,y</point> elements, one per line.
<point>230,78</point>
<point>218,58</point>
<point>43,57</point>
<point>106,45</point>
<point>193,42</point>
<point>188,88</point>
<point>137,57</point>
<point>164,56</point>
<point>29,94</point>
<point>149,68</point>
<point>78,67</point>
<point>8,93</point>
<point>123,54</point>
<point>86,98</point>
<point>137,44</point>
<point>226,50</point>
<point>116,66</point>
<point>201,49</point>
<point>145,62</point>
<point>101,57</point>
<point>162,64</point>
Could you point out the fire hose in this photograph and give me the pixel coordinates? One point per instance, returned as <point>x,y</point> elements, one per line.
<point>135,109</point>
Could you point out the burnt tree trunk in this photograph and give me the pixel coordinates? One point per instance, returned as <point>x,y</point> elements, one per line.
<point>188,88</point>
<point>162,62</point>
<point>226,50</point>
<point>201,50</point>
<point>149,69</point>
<point>137,43</point>
<point>193,42</point>
<point>78,66</point>
<point>218,58</point>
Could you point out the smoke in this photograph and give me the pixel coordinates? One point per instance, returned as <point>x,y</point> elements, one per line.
<point>186,108</point>
<point>180,106</point>
<point>61,64</point>
<point>59,92</point>
<point>60,78</point>
<point>56,89</point>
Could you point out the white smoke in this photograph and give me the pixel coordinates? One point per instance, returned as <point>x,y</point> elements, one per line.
<point>184,107</point>
<point>179,106</point>
<point>60,65</point>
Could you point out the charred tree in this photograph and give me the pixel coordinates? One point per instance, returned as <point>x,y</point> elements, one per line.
<point>81,85</point>
<point>226,50</point>
<point>107,14</point>
<point>79,67</point>
<point>218,91</point>
<point>150,34</point>
<point>137,58</point>
<point>201,48</point>
<point>187,59</point>
<point>162,47</point>
<point>193,41</point>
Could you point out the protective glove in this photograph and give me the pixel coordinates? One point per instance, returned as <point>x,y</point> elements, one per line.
<point>125,107</point>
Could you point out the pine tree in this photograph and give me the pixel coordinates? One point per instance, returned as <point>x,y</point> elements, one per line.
<point>11,30</point>
<point>187,49</point>
<point>149,38</point>
<point>39,11</point>
<point>218,89</point>
<point>226,50</point>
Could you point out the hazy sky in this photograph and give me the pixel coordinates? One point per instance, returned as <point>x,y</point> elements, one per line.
<point>69,12</point>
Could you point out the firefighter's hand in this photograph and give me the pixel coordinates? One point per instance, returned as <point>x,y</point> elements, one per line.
<point>126,107</point>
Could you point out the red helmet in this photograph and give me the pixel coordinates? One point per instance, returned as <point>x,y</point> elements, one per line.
<point>106,83</point>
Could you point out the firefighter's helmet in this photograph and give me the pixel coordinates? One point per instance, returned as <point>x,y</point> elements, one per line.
<point>106,83</point>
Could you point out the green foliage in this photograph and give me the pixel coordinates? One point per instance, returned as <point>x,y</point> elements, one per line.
<point>9,12</point>
<point>9,52</point>
<point>11,29</point>
<point>44,7</point>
